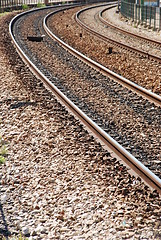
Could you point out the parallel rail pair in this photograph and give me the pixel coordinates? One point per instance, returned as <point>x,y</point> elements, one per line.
<point>144,92</point>
<point>137,166</point>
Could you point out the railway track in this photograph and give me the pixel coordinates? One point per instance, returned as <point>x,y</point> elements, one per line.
<point>86,120</point>
<point>144,92</point>
<point>158,155</point>
<point>107,23</point>
<point>148,72</point>
<point>58,182</point>
<point>135,49</point>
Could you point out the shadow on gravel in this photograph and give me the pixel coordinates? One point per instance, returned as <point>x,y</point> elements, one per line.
<point>4,232</point>
<point>22,104</point>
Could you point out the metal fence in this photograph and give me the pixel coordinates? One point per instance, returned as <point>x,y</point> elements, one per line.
<point>8,5</point>
<point>148,16</point>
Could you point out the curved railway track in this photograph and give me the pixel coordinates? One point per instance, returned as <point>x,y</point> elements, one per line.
<point>114,41</point>
<point>104,21</point>
<point>131,85</point>
<point>44,75</point>
<point>140,70</point>
<point>103,136</point>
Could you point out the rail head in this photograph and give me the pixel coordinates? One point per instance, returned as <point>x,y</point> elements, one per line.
<point>155,181</point>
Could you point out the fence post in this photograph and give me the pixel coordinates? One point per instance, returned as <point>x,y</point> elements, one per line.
<point>135,13</point>
<point>142,14</point>
<point>139,15</point>
<point>146,15</point>
<point>154,18</point>
<point>150,16</point>
<point>159,18</point>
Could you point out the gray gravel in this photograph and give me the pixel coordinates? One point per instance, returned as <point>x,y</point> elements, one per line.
<point>58,182</point>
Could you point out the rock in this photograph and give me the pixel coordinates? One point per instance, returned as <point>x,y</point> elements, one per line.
<point>120,211</point>
<point>40,229</point>
<point>4,198</point>
<point>33,233</point>
<point>25,230</point>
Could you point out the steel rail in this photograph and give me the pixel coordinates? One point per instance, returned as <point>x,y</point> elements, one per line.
<point>113,41</point>
<point>130,160</point>
<point>143,171</point>
<point>131,85</point>
<point>127,83</point>
<point>123,30</point>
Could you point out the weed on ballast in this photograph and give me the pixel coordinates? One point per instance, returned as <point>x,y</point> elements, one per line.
<point>25,7</point>
<point>2,159</point>
<point>40,5</point>
<point>19,237</point>
<point>3,151</point>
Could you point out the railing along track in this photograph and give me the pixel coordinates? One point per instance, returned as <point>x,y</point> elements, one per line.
<point>137,166</point>
<point>152,41</point>
<point>115,42</point>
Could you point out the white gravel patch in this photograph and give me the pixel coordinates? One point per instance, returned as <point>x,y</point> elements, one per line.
<point>129,25</point>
